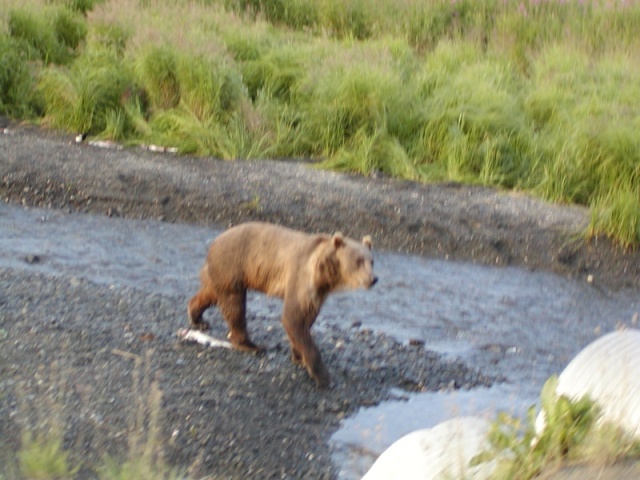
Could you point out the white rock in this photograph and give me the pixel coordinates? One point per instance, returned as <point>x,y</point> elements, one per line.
<point>608,370</point>
<point>443,451</point>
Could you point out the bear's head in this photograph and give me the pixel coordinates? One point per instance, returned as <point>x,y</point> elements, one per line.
<point>345,264</point>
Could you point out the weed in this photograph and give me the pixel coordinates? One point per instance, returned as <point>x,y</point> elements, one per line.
<point>571,434</point>
<point>252,205</point>
<point>144,460</point>
<point>43,458</point>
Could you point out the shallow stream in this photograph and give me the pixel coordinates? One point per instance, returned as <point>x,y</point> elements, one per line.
<point>511,322</point>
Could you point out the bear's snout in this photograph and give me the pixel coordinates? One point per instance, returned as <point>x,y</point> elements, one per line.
<point>374,280</point>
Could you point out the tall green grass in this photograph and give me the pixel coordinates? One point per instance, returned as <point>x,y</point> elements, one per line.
<point>16,83</point>
<point>536,95</point>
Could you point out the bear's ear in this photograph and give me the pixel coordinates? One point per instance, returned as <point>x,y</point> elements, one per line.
<point>337,239</point>
<point>366,241</point>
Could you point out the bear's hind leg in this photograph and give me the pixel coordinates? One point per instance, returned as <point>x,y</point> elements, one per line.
<point>196,307</point>
<point>233,307</point>
<point>296,358</point>
<point>202,300</point>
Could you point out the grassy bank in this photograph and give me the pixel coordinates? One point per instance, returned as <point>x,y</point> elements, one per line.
<point>538,95</point>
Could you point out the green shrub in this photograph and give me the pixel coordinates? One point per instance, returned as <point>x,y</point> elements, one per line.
<point>16,83</point>
<point>427,24</point>
<point>591,150</point>
<point>109,36</point>
<point>181,129</point>
<point>533,95</point>
<point>91,95</point>
<point>521,453</point>
<point>476,126</point>
<point>616,214</point>
<point>207,96</point>
<point>52,35</point>
<point>298,14</point>
<point>37,36</point>
<point>245,47</point>
<point>210,88</point>
<point>80,6</point>
<point>158,71</point>
<point>348,18</point>
<point>274,74</point>
<point>70,29</point>
<point>369,153</point>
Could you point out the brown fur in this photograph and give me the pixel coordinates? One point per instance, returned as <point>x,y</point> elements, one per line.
<point>299,268</point>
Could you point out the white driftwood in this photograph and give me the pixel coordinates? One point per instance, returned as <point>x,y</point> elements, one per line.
<point>608,370</point>
<point>105,144</point>
<point>443,451</point>
<point>187,335</point>
<point>159,148</point>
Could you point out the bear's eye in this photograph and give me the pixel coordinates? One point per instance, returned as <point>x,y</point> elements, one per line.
<point>371,263</point>
<point>360,262</point>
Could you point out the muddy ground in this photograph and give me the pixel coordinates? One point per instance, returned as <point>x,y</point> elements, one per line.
<point>72,350</point>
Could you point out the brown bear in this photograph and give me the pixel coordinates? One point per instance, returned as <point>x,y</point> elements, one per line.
<point>301,269</point>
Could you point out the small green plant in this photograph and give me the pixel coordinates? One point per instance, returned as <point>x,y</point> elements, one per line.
<point>571,434</point>
<point>144,460</point>
<point>43,458</point>
<point>252,205</point>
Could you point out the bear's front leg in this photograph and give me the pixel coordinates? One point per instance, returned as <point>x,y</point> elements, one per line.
<point>233,308</point>
<point>303,349</point>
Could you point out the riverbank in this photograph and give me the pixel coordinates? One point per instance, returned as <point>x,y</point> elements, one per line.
<point>448,221</point>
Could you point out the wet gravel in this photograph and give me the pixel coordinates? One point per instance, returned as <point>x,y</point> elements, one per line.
<point>89,357</point>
